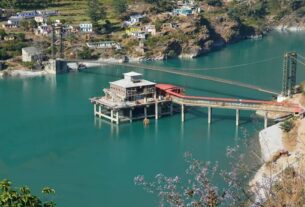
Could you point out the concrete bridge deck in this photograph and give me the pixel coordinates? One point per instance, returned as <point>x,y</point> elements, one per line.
<point>177,96</point>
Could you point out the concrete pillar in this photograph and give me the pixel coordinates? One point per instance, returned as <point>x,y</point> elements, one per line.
<point>117,117</point>
<point>130,115</point>
<point>237,117</point>
<point>171,109</point>
<point>156,110</point>
<point>209,115</point>
<point>94,109</point>
<point>266,119</point>
<point>100,111</point>
<point>182,113</point>
<point>111,116</point>
<point>145,111</point>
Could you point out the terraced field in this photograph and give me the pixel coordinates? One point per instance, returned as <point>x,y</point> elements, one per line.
<point>74,11</point>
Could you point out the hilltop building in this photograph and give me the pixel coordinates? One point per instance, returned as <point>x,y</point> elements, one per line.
<point>86,27</point>
<point>41,19</point>
<point>14,21</point>
<point>104,45</point>
<point>27,14</point>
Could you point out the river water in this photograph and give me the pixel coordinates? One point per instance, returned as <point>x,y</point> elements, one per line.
<point>49,136</point>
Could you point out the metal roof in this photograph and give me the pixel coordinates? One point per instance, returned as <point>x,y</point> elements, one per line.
<point>132,74</point>
<point>129,84</point>
<point>32,50</point>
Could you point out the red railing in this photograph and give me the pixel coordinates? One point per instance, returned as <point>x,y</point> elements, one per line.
<point>178,92</point>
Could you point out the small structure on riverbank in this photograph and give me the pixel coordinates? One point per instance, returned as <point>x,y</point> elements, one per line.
<point>30,54</point>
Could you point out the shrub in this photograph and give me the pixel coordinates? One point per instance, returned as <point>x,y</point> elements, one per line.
<point>22,196</point>
<point>287,125</point>
<point>214,2</point>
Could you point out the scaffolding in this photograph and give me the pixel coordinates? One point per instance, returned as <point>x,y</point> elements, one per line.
<point>289,74</point>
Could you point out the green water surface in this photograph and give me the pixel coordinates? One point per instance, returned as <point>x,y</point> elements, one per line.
<point>49,136</point>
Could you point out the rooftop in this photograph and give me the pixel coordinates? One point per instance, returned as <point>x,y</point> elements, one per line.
<point>128,84</point>
<point>132,74</point>
<point>128,81</point>
<point>31,50</point>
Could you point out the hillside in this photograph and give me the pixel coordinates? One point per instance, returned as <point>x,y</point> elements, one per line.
<point>167,29</point>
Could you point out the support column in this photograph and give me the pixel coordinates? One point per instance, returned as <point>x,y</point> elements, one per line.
<point>156,110</point>
<point>145,112</point>
<point>237,117</point>
<point>130,115</point>
<point>94,109</point>
<point>209,115</point>
<point>111,116</point>
<point>100,111</point>
<point>266,120</point>
<point>117,117</point>
<point>182,113</point>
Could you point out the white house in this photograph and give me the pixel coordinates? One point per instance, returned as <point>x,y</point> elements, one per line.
<point>41,19</point>
<point>47,12</point>
<point>14,20</point>
<point>104,45</point>
<point>27,14</point>
<point>139,35</point>
<point>86,27</point>
<point>43,30</point>
<point>150,29</point>
<point>30,54</point>
<point>136,18</point>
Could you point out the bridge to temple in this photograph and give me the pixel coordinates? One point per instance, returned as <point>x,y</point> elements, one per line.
<point>178,97</point>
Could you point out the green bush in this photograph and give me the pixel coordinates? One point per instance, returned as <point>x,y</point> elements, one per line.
<point>214,2</point>
<point>10,197</point>
<point>287,125</point>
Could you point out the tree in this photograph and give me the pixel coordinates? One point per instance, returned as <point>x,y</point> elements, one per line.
<point>96,12</point>
<point>120,6</point>
<point>24,24</point>
<point>296,4</point>
<point>287,125</point>
<point>22,196</point>
<point>3,54</point>
<point>2,33</point>
<point>214,2</point>
<point>86,53</point>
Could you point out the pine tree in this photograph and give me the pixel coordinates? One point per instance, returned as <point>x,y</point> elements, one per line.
<point>96,12</point>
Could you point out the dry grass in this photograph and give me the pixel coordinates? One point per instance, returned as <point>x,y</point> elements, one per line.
<point>289,190</point>
<point>290,139</point>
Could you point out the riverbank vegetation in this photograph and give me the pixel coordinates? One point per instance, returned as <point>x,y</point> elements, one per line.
<point>11,196</point>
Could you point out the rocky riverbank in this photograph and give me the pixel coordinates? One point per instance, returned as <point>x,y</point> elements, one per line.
<point>279,151</point>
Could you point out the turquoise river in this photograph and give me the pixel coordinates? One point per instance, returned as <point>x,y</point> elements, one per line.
<point>49,136</point>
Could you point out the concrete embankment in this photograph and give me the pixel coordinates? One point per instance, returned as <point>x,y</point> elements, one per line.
<point>270,140</point>
<point>279,151</point>
<point>291,28</point>
<point>21,73</point>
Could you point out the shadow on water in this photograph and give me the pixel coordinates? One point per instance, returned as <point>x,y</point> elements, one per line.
<point>217,117</point>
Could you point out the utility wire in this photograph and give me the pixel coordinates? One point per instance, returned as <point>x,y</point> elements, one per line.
<point>299,61</point>
<point>234,66</point>
<point>301,56</point>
